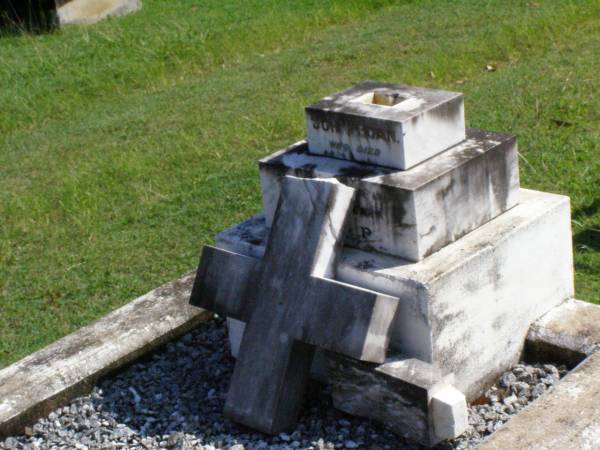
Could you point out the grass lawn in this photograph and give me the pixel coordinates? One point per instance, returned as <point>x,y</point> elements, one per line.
<point>127,145</point>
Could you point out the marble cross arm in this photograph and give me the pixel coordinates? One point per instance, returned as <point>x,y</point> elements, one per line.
<point>226,283</point>
<point>345,319</point>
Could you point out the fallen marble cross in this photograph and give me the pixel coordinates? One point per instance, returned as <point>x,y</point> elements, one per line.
<point>292,304</point>
<point>396,258</point>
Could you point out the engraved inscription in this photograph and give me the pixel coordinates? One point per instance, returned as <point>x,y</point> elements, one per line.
<point>365,232</point>
<point>368,150</point>
<point>360,130</point>
<point>344,150</point>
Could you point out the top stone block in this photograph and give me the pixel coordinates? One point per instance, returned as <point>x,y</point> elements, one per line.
<point>386,124</point>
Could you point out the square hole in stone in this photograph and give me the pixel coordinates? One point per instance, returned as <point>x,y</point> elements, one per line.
<point>381,97</point>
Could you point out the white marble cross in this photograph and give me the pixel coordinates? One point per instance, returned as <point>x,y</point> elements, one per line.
<point>292,304</point>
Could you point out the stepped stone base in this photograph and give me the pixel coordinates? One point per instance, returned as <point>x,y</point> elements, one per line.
<point>467,308</point>
<point>413,213</point>
<point>461,308</point>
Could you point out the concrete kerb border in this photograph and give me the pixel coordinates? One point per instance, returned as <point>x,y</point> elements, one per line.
<point>49,378</point>
<point>567,417</point>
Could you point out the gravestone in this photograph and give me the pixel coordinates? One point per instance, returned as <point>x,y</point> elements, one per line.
<point>406,275</point>
<point>45,15</point>
<point>75,12</point>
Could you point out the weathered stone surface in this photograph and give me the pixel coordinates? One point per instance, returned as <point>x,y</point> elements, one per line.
<point>235,333</point>
<point>566,334</point>
<point>449,412</point>
<point>412,213</point>
<point>565,418</point>
<point>400,394</point>
<point>71,12</point>
<point>292,303</point>
<point>468,307</point>
<point>49,378</point>
<point>385,124</point>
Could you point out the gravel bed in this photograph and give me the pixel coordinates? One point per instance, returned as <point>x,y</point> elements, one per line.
<point>174,399</point>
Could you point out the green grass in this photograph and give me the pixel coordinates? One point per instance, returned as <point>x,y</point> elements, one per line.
<point>127,145</point>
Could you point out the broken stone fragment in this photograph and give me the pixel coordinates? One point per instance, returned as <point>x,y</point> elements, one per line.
<point>410,397</point>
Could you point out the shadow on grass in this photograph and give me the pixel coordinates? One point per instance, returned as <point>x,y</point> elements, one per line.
<point>588,237</point>
<point>27,16</point>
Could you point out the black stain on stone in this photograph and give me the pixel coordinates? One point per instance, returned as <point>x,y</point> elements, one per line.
<point>503,166</point>
<point>393,203</point>
<point>306,171</point>
<point>442,194</point>
<point>361,171</point>
<point>499,322</point>
<point>482,176</point>
<point>248,232</point>
<point>430,231</point>
<point>365,265</point>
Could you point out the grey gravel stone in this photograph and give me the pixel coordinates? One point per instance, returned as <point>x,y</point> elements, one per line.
<point>173,399</point>
<point>515,389</point>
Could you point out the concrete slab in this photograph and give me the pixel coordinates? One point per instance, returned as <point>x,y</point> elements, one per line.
<point>34,386</point>
<point>566,334</point>
<point>565,418</point>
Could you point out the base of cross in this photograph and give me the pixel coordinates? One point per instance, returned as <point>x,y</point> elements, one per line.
<point>407,395</point>
<point>411,397</point>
